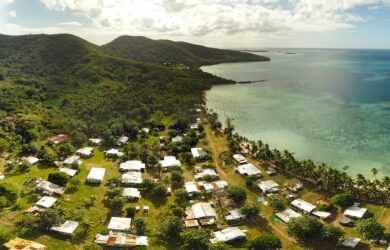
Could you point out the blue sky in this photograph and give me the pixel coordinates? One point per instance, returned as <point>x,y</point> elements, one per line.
<point>220,23</point>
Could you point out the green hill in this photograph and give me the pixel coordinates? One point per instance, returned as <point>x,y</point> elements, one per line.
<point>174,53</point>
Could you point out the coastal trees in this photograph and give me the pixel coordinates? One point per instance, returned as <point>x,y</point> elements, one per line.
<point>370,228</point>
<point>342,200</point>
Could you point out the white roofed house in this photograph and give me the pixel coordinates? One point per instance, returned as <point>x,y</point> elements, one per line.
<point>248,170</point>
<point>132,178</point>
<point>131,193</point>
<point>268,186</point>
<point>32,160</point>
<point>287,215</point>
<point>191,188</point>
<point>96,175</point>
<point>355,211</point>
<point>85,152</point>
<point>123,140</point>
<point>240,159</point>
<point>49,188</point>
<point>113,152</point>
<point>199,153</point>
<point>71,160</point>
<point>119,224</point>
<point>67,228</point>
<point>234,215</point>
<point>177,139</point>
<point>203,212</point>
<point>133,165</point>
<point>69,171</point>
<point>228,235</point>
<point>95,141</point>
<point>194,125</point>
<point>168,162</point>
<point>213,186</point>
<point>118,239</point>
<point>206,172</point>
<point>44,203</point>
<point>303,205</point>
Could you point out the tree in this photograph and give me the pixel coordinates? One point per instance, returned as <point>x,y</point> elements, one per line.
<point>58,178</point>
<point>277,202</point>
<point>342,200</point>
<point>181,196</point>
<point>171,227</point>
<point>66,149</point>
<point>160,191</point>
<point>331,233</point>
<point>250,210</point>
<point>370,228</point>
<point>195,239</point>
<point>265,242</point>
<point>3,145</point>
<point>139,225</point>
<point>147,184</point>
<point>117,202</point>
<point>374,172</point>
<point>130,211</point>
<point>111,193</point>
<point>178,211</point>
<point>51,217</point>
<point>305,228</point>
<point>237,194</point>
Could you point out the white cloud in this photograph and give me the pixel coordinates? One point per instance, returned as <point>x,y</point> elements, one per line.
<point>70,24</point>
<point>12,13</point>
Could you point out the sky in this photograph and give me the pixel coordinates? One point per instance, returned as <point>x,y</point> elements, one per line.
<point>244,24</point>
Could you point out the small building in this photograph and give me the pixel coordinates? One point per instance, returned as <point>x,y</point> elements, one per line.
<point>191,188</point>
<point>130,178</point>
<point>194,125</point>
<point>355,211</point>
<point>123,140</point>
<point>228,235</point>
<point>95,141</point>
<point>240,159</point>
<point>67,228</point>
<point>168,162</point>
<point>121,240</point>
<point>131,193</point>
<point>206,172</point>
<point>268,186</point>
<point>119,224</point>
<point>31,160</point>
<point>203,212</point>
<point>213,186</point>
<point>191,223</point>
<point>49,188</point>
<point>85,152</point>
<point>271,171</point>
<point>177,139</point>
<point>46,202</point>
<point>349,242</point>
<point>58,139</point>
<point>248,170</point>
<point>68,171</point>
<point>96,175</point>
<point>345,221</point>
<point>71,160</point>
<point>322,214</point>
<point>22,244</point>
<point>146,130</point>
<point>199,153</point>
<point>287,215</point>
<point>113,152</point>
<point>132,166</point>
<point>294,185</point>
<point>303,205</point>
<point>234,216</point>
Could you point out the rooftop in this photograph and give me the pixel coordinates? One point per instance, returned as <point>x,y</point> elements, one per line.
<point>303,205</point>
<point>268,186</point>
<point>170,161</point>
<point>67,228</point>
<point>22,244</point>
<point>287,215</point>
<point>46,201</point>
<point>119,223</point>
<point>96,174</point>
<point>133,165</point>
<point>132,178</point>
<point>355,212</point>
<point>228,234</point>
<point>248,169</point>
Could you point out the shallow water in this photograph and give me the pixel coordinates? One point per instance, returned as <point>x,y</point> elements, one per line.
<point>327,105</point>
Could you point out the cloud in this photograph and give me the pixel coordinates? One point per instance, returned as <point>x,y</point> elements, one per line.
<point>6,1</point>
<point>12,13</point>
<point>70,24</point>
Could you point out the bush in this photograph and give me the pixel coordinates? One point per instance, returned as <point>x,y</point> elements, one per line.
<point>139,225</point>
<point>177,211</point>
<point>130,211</point>
<point>9,191</point>
<point>265,242</point>
<point>250,210</point>
<point>5,235</point>
<point>237,194</point>
<point>323,207</point>
<point>277,202</point>
<point>342,200</point>
<point>370,229</point>
<point>58,178</point>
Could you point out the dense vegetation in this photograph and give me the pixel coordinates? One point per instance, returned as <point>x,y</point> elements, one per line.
<point>174,53</point>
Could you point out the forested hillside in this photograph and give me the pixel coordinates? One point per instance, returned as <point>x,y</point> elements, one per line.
<point>174,53</point>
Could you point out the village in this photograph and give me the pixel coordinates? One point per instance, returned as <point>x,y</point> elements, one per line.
<point>110,197</point>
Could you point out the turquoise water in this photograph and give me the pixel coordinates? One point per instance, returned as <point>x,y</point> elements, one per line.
<point>326,105</point>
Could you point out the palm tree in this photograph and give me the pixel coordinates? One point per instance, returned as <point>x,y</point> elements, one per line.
<point>374,172</point>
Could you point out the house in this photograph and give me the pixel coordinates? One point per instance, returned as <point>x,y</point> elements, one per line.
<point>268,186</point>
<point>58,139</point>
<point>206,172</point>
<point>194,125</point>
<point>67,228</point>
<point>96,175</point>
<point>287,215</point>
<point>132,178</point>
<point>47,187</point>
<point>213,186</point>
<point>203,212</point>
<point>132,166</point>
<point>248,170</point>
<point>146,130</point>
<point>123,140</point>
<point>177,139</point>
<point>349,242</point>
<point>294,185</point>
<point>228,235</point>
<point>240,159</point>
<point>119,224</point>
<point>191,223</point>
<point>22,244</point>
<point>71,160</point>
<point>95,141</point>
<point>234,215</point>
<point>121,240</point>
<point>322,214</point>
<point>303,205</point>
<point>32,160</point>
<point>113,152</point>
<point>85,152</point>
<point>46,202</point>
<point>271,171</point>
<point>131,193</point>
<point>191,188</point>
<point>168,162</point>
<point>355,211</point>
<point>68,171</point>
<point>199,153</point>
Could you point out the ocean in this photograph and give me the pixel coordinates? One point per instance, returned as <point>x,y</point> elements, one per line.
<point>330,105</point>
